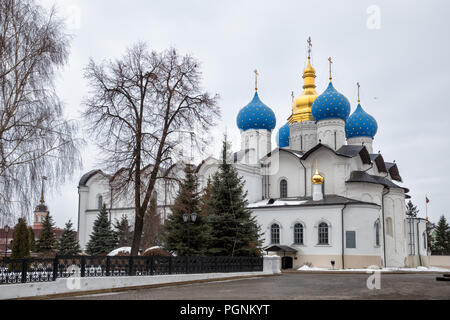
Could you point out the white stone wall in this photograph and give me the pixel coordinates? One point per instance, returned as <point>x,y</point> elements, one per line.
<point>260,140</point>
<point>394,215</point>
<point>366,141</point>
<point>302,135</point>
<point>326,130</point>
<point>358,218</point>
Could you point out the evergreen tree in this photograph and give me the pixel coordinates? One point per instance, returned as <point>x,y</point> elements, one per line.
<point>152,226</point>
<point>103,239</point>
<point>68,244</point>
<point>234,232</point>
<point>32,240</point>
<point>21,241</point>
<point>123,232</point>
<point>441,243</point>
<point>411,209</point>
<point>206,199</point>
<point>47,241</point>
<point>175,230</point>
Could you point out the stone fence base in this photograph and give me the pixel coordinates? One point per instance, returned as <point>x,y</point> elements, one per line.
<point>72,286</point>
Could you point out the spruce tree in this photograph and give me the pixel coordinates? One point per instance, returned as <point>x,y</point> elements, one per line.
<point>411,209</point>
<point>47,240</point>
<point>68,244</point>
<point>123,232</point>
<point>103,239</point>
<point>175,236</point>
<point>234,232</point>
<point>441,243</point>
<point>21,241</point>
<point>32,240</point>
<point>206,199</point>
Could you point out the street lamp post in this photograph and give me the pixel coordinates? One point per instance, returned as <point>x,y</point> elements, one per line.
<point>6,229</point>
<point>189,219</point>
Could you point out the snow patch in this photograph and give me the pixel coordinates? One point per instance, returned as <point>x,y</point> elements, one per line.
<point>115,252</point>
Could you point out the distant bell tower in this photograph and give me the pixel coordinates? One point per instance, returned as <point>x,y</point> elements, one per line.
<point>41,210</point>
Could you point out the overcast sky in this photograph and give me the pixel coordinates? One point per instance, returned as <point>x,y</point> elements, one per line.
<point>398,50</point>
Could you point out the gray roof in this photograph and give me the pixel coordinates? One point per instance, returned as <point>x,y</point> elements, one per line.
<point>85,178</point>
<point>393,171</point>
<point>277,247</point>
<point>379,161</point>
<point>348,151</point>
<point>361,176</point>
<point>328,200</point>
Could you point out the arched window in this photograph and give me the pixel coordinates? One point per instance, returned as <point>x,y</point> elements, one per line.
<point>323,233</point>
<point>389,230</point>
<point>275,234</point>
<point>283,189</point>
<point>377,233</point>
<point>298,233</point>
<point>100,202</point>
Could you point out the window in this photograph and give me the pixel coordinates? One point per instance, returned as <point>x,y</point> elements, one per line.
<point>298,233</point>
<point>377,233</point>
<point>350,239</point>
<point>283,189</point>
<point>323,233</point>
<point>100,202</point>
<point>389,227</point>
<point>275,234</point>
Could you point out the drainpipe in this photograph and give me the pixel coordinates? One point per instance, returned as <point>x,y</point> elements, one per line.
<point>384,227</point>
<point>418,242</point>
<point>342,240</point>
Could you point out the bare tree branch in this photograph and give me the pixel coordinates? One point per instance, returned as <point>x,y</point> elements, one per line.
<point>35,139</point>
<point>136,106</point>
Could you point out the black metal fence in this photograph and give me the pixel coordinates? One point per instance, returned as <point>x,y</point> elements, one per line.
<point>43,270</point>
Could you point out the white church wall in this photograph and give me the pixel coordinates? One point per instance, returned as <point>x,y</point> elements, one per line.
<point>368,192</point>
<point>358,218</point>
<point>289,168</point>
<point>396,244</point>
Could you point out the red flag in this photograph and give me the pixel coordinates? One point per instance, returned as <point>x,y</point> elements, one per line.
<point>427,200</point>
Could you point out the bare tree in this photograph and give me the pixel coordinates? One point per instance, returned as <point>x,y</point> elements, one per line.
<point>136,109</point>
<point>35,139</point>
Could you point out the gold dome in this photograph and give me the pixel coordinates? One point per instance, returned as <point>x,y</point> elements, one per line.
<point>317,178</point>
<point>301,108</point>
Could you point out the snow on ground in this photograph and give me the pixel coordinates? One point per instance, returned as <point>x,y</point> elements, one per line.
<point>418,269</point>
<point>115,252</point>
<point>152,248</point>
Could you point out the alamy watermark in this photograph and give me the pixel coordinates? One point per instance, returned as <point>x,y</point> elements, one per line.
<point>374,280</point>
<point>374,18</point>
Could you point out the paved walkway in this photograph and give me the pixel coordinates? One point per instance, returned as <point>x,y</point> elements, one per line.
<point>296,286</point>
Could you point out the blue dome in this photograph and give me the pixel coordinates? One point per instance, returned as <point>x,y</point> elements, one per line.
<point>256,115</point>
<point>360,124</point>
<point>330,105</point>
<point>283,136</point>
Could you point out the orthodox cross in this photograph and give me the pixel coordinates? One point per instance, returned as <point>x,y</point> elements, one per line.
<point>256,79</point>
<point>329,59</point>
<point>309,47</point>
<point>358,91</point>
<point>292,96</point>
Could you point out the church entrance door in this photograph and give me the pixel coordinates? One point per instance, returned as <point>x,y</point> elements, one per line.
<point>286,263</point>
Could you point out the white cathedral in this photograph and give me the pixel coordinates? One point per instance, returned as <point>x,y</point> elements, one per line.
<point>322,198</point>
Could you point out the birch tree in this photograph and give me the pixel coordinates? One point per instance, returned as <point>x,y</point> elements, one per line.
<point>35,138</point>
